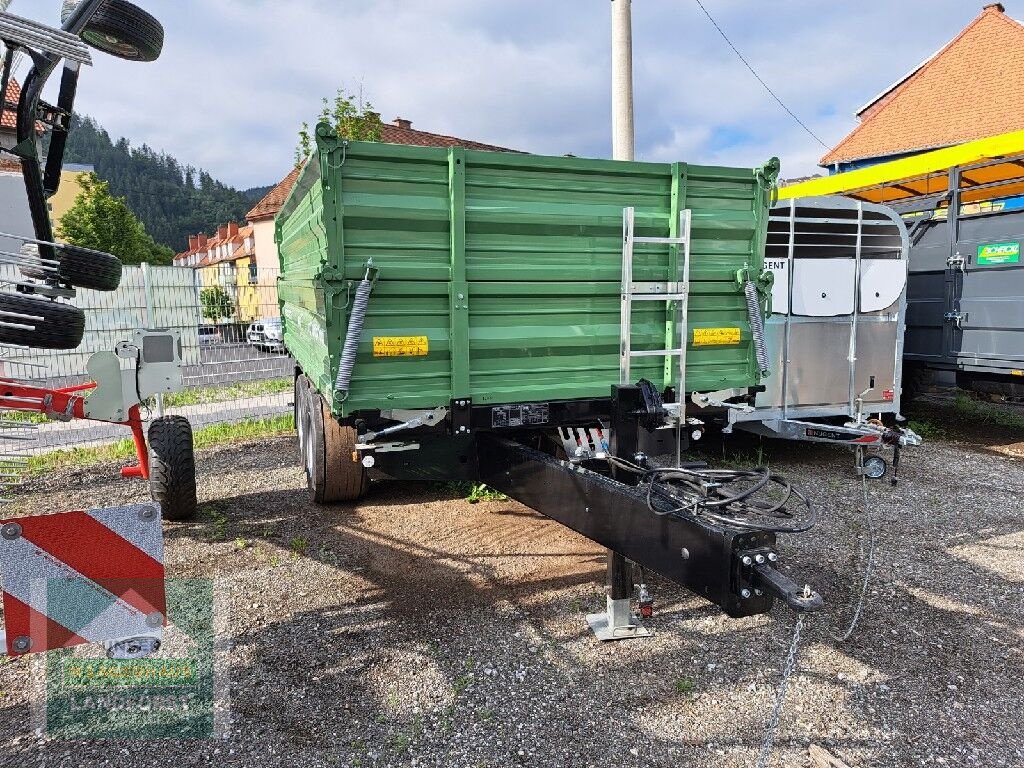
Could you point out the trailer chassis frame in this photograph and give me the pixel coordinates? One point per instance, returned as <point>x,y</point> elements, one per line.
<point>736,569</point>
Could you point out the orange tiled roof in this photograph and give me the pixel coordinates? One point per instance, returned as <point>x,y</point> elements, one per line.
<point>389,134</point>
<point>395,134</point>
<point>10,116</point>
<point>274,199</point>
<point>970,89</point>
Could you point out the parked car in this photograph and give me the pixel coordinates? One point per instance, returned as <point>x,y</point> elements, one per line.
<point>266,334</point>
<point>209,334</point>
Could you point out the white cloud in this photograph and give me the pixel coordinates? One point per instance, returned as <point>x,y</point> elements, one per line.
<point>238,76</point>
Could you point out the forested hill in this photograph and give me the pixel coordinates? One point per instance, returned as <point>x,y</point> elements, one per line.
<point>171,199</point>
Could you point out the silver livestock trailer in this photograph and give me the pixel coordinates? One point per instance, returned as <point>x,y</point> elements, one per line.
<point>835,334</point>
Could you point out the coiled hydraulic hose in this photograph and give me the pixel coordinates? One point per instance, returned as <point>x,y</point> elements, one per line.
<point>753,499</point>
<point>352,335</point>
<point>756,326</point>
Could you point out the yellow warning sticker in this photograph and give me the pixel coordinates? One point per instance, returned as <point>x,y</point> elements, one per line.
<point>715,337</point>
<point>400,346</point>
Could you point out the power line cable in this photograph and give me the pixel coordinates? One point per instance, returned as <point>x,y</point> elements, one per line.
<point>759,79</point>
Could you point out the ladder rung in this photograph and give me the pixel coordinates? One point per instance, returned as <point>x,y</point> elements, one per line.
<point>658,296</point>
<point>32,34</point>
<point>655,352</point>
<point>660,240</point>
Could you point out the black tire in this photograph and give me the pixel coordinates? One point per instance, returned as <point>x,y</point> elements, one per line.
<point>916,379</point>
<point>331,473</point>
<point>32,321</point>
<point>124,30</point>
<point>172,467</point>
<point>301,393</point>
<point>81,268</point>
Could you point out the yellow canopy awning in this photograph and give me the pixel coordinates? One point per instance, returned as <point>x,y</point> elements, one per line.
<point>928,174</point>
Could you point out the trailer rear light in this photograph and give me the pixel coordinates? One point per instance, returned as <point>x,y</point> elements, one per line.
<point>889,395</point>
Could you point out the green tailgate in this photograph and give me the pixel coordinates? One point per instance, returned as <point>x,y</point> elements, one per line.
<point>510,265</point>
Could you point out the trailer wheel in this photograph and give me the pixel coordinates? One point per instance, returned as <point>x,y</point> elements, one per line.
<point>875,467</point>
<point>31,321</point>
<point>298,412</point>
<point>82,268</point>
<point>331,473</point>
<point>126,31</point>
<point>172,467</point>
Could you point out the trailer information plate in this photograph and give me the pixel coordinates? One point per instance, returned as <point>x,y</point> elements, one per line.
<point>998,253</point>
<point>530,414</point>
<point>714,337</point>
<point>400,346</point>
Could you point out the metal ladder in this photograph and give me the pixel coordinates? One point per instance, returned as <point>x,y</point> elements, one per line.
<point>31,35</point>
<point>677,290</point>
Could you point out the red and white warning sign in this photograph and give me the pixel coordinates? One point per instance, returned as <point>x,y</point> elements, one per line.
<point>82,577</point>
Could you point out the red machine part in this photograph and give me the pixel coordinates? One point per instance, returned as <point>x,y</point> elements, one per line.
<point>66,404</point>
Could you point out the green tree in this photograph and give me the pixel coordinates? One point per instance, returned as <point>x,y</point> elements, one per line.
<point>100,221</point>
<point>351,117</point>
<point>216,303</point>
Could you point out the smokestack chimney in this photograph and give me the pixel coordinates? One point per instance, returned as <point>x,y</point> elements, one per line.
<point>232,228</point>
<point>193,242</point>
<point>401,122</point>
<point>222,231</point>
<point>202,240</point>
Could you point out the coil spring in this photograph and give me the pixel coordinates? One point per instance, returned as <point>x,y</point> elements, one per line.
<point>355,330</point>
<point>756,326</point>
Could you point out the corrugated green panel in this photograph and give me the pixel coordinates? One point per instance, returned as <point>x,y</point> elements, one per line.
<point>510,265</point>
<point>302,249</point>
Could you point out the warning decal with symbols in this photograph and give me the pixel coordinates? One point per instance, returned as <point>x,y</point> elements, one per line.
<point>714,337</point>
<point>400,346</point>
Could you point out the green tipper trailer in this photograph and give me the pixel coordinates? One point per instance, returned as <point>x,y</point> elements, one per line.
<point>497,274</point>
<point>447,306</point>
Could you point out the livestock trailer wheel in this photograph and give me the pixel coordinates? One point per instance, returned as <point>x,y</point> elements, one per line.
<point>126,31</point>
<point>332,471</point>
<point>81,268</point>
<point>875,467</point>
<point>31,321</point>
<point>172,467</point>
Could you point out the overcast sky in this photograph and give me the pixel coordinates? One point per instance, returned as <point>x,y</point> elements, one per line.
<point>237,77</point>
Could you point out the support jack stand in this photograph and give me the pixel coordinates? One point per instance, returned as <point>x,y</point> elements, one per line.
<point>617,622</point>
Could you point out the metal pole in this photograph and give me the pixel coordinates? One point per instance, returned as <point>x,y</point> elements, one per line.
<point>147,285</point>
<point>622,81</point>
<point>620,581</point>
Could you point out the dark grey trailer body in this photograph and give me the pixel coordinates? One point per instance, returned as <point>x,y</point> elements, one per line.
<point>965,293</point>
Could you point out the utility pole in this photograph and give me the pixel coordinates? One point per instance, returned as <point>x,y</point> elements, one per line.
<point>617,622</point>
<point>622,80</point>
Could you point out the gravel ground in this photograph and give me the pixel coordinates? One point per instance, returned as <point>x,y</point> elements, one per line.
<point>419,630</point>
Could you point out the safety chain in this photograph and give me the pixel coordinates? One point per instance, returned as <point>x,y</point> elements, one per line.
<point>780,695</point>
<point>868,569</point>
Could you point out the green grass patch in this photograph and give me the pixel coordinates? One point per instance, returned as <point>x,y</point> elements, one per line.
<point>243,389</point>
<point>23,417</point>
<point>985,413</point>
<point>247,429</point>
<point>928,429</point>
<point>472,492</point>
<point>685,685</point>
<point>204,437</point>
